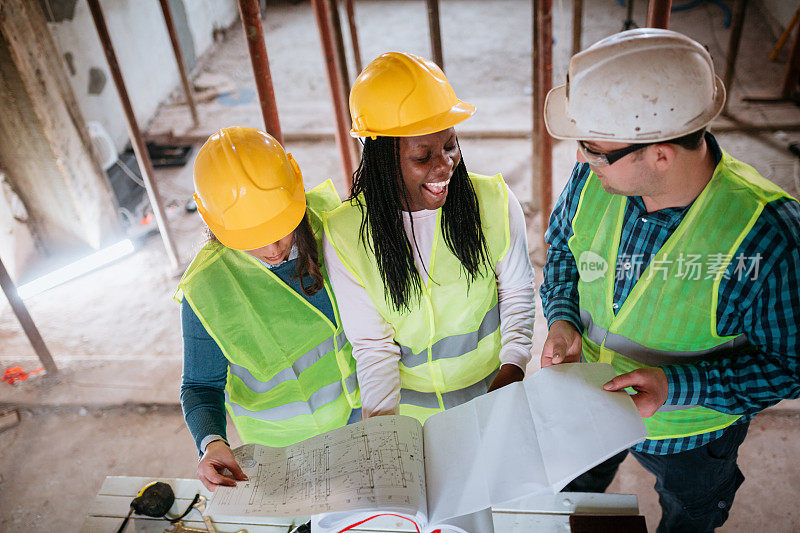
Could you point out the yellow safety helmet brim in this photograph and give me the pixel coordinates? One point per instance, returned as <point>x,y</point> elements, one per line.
<point>457,114</point>
<point>272,230</point>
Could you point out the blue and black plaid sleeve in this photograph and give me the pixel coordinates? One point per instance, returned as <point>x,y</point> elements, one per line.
<point>559,291</point>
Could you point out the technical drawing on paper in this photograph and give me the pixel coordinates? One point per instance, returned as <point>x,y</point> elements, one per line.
<point>374,463</point>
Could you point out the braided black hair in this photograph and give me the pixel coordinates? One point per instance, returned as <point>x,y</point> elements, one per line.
<point>379,178</point>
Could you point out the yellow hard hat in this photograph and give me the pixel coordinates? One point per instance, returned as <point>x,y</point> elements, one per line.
<point>248,189</point>
<point>403,95</point>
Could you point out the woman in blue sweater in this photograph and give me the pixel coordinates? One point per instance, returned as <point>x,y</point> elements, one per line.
<point>261,331</point>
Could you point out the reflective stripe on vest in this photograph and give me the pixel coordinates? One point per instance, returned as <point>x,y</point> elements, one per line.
<point>450,399</point>
<point>455,345</point>
<point>300,364</point>
<point>668,318</point>
<point>650,356</point>
<point>325,395</point>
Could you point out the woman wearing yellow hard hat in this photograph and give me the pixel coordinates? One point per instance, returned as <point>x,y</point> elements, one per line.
<point>261,330</point>
<point>429,262</point>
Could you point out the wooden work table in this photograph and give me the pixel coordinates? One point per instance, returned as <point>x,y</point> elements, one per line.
<point>540,514</point>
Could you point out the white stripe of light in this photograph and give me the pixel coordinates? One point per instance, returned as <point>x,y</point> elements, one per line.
<point>78,268</point>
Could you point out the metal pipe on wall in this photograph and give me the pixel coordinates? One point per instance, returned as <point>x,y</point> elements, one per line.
<point>254,33</point>
<point>351,21</point>
<point>435,31</point>
<point>338,41</point>
<point>322,14</point>
<point>542,163</point>
<point>25,320</point>
<point>137,141</point>
<point>577,25</point>
<point>733,46</point>
<point>176,48</point>
<point>792,70</point>
<point>658,14</point>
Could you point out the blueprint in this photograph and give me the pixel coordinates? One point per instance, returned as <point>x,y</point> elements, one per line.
<point>377,462</point>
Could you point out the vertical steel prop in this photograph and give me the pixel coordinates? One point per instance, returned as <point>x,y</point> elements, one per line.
<point>435,32</point>
<point>254,33</point>
<point>351,21</point>
<point>792,70</point>
<point>338,41</point>
<point>658,14</point>
<point>577,25</point>
<point>25,320</point>
<point>323,13</point>
<point>542,83</point>
<point>733,46</point>
<point>137,141</point>
<point>176,48</point>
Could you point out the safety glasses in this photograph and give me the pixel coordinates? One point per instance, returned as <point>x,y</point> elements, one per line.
<point>598,159</point>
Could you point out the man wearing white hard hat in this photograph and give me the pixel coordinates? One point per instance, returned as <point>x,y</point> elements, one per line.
<point>674,262</point>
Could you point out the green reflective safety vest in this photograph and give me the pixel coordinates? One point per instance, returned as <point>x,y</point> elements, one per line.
<point>450,339</point>
<point>291,373</point>
<point>670,316</point>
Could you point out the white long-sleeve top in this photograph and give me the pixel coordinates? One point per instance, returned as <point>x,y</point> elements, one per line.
<point>377,355</point>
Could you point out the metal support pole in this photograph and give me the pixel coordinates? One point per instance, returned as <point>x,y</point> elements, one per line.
<point>25,320</point>
<point>254,32</point>
<point>137,141</point>
<point>658,14</point>
<point>577,25</point>
<point>542,83</point>
<point>790,80</point>
<point>338,36</point>
<point>435,32</point>
<point>351,21</point>
<point>733,46</point>
<point>338,95</point>
<point>176,48</point>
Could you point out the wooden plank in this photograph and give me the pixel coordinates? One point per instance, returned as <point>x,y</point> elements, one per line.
<point>104,524</point>
<point>130,486</point>
<point>545,513</point>
<point>9,419</point>
<point>117,506</point>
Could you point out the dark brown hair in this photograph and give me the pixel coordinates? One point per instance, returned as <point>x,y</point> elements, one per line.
<point>691,141</point>
<point>307,256</point>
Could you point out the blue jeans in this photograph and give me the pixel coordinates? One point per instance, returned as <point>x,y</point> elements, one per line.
<point>695,488</point>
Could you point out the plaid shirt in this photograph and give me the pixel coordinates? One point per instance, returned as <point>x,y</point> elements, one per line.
<point>759,296</point>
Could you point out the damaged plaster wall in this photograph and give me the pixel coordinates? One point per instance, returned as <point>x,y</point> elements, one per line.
<point>141,42</point>
<point>17,246</point>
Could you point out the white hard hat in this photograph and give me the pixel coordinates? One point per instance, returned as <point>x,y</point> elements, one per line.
<point>642,85</point>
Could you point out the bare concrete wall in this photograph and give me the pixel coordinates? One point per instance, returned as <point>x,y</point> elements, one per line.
<point>46,155</point>
<point>143,50</point>
<point>35,179</point>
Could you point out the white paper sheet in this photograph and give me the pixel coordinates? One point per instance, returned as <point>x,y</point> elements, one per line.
<point>482,451</point>
<point>580,425</point>
<point>526,438</point>
<point>375,463</point>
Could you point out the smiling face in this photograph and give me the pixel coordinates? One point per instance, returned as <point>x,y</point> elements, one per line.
<point>275,253</point>
<point>427,163</point>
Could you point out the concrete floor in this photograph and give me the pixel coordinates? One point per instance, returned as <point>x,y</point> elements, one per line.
<point>116,332</point>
